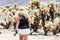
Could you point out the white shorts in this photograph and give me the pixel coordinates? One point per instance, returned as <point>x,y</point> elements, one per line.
<point>24,31</point>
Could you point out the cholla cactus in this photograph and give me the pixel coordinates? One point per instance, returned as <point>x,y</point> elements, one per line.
<point>16,7</point>
<point>56,22</point>
<point>35,4</point>
<point>53,5</point>
<point>13,19</point>
<point>49,26</point>
<point>3,9</point>
<point>7,6</point>
<point>13,12</point>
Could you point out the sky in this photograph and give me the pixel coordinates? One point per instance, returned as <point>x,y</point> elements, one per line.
<point>20,2</point>
<point>11,2</point>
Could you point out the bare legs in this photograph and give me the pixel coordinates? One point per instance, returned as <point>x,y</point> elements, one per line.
<point>20,37</point>
<point>23,37</point>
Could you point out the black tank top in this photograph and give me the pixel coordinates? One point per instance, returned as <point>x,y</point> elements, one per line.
<point>23,24</point>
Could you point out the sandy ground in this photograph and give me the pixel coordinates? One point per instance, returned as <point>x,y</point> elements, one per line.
<point>8,35</point>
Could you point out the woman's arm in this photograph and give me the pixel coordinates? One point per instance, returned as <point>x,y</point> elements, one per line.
<point>17,22</point>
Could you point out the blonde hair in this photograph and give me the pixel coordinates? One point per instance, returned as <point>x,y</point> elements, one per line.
<point>23,11</point>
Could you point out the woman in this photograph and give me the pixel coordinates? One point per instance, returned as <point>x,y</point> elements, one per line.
<point>23,24</point>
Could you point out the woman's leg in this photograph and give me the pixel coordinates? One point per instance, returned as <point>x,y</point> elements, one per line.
<point>20,37</point>
<point>25,37</point>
